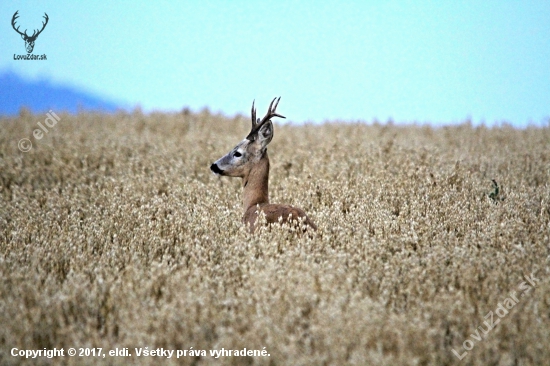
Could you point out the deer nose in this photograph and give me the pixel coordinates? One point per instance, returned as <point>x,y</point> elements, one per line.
<point>215,169</point>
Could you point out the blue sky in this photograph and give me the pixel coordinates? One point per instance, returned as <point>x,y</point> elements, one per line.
<point>411,61</point>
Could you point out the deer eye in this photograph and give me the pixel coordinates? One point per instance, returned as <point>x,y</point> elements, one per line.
<point>237,154</point>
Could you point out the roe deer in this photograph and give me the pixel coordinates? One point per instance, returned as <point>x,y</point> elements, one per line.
<point>249,161</point>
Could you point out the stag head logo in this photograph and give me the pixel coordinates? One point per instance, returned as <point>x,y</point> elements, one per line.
<point>29,40</point>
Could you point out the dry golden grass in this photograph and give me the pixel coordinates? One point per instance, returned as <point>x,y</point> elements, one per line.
<point>114,233</point>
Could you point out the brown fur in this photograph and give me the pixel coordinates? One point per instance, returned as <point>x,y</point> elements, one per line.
<point>256,199</point>
<point>273,212</point>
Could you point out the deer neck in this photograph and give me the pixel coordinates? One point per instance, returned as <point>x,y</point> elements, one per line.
<point>255,184</point>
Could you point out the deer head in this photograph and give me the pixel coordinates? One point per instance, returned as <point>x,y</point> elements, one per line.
<point>239,161</point>
<point>29,40</point>
<point>249,161</point>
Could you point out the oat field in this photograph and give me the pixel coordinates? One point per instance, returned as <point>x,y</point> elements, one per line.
<point>114,234</point>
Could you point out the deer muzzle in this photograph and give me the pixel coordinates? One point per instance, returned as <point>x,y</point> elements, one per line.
<point>214,167</point>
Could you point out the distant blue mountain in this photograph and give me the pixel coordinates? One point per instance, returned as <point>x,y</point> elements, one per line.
<point>41,96</point>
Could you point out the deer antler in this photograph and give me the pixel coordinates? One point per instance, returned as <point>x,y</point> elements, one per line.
<point>43,26</point>
<point>253,115</point>
<point>257,123</point>
<point>34,34</point>
<point>15,16</point>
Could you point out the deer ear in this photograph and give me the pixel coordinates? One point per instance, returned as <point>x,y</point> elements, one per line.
<point>265,134</point>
